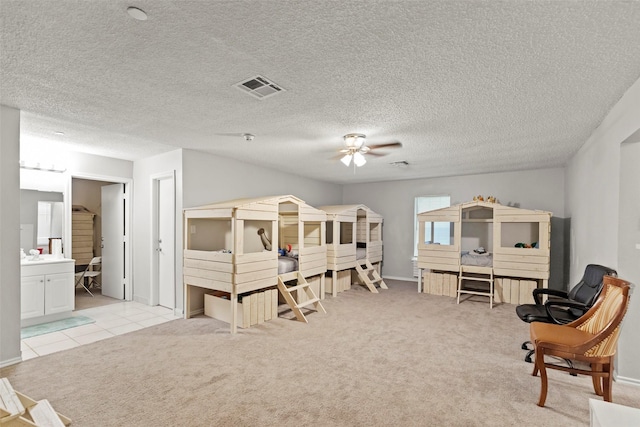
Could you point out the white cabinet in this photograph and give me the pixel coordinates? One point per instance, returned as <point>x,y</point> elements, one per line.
<point>32,296</point>
<point>47,290</point>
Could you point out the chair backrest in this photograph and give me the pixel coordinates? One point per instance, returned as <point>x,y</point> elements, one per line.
<point>94,265</point>
<point>588,289</point>
<point>604,318</point>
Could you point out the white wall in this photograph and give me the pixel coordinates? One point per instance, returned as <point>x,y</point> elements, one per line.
<point>209,179</point>
<point>537,189</point>
<point>593,201</point>
<point>143,171</point>
<point>629,254</point>
<point>9,236</point>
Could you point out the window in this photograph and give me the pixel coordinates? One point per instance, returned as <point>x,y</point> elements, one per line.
<point>441,230</point>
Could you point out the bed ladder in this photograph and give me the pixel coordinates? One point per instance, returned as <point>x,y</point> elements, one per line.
<point>476,274</point>
<point>286,292</point>
<point>370,281</point>
<point>16,409</point>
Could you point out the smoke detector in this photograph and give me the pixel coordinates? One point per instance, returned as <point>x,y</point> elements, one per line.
<point>248,137</point>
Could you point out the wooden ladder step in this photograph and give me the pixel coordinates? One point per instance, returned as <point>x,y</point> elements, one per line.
<point>479,279</point>
<point>10,404</point>
<point>376,280</point>
<point>300,286</point>
<point>308,302</point>
<point>43,415</point>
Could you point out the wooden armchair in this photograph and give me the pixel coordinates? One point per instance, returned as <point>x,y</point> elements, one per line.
<point>591,339</point>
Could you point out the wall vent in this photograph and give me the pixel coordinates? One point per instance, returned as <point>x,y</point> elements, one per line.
<point>259,87</point>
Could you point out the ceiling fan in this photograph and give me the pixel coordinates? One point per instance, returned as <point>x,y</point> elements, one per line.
<point>356,149</point>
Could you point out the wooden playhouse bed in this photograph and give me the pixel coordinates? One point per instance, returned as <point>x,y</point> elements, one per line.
<point>354,240</point>
<point>495,228</point>
<point>225,253</point>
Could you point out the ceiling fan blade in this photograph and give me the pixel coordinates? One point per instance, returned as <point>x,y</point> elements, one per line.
<point>373,153</point>
<point>387,145</point>
<point>238,134</point>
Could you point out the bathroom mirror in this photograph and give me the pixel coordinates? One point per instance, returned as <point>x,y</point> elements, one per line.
<point>41,218</point>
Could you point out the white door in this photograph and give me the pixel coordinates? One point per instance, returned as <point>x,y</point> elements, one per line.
<point>113,241</point>
<point>166,243</point>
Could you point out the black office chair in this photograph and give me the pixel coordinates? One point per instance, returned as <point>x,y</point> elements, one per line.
<point>564,307</point>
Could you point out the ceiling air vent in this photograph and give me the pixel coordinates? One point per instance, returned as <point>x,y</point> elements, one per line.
<point>259,87</point>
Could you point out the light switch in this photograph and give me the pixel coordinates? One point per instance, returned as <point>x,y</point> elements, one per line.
<point>193,229</point>
<point>637,245</point>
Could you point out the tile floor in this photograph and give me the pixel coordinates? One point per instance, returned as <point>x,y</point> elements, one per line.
<point>110,320</point>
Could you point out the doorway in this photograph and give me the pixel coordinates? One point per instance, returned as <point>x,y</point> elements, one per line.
<point>100,211</point>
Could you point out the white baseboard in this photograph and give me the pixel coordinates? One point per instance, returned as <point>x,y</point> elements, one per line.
<point>178,312</point>
<point>196,312</point>
<point>141,300</point>
<point>9,362</point>
<point>627,380</point>
<point>404,279</point>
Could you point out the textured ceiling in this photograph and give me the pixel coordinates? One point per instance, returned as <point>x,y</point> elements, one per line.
<point>466,86</point>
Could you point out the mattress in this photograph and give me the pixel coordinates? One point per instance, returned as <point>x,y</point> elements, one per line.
<point>472,258</point>
<point>287,264</point>
<point>361,253</point>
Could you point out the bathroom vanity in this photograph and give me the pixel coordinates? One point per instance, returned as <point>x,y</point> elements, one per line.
<point>47,289</point>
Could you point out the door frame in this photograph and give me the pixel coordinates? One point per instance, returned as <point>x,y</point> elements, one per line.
<point>128,197</point>
<point>154,296</point>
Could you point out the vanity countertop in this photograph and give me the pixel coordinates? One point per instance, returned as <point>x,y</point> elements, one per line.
<point>44,259</point>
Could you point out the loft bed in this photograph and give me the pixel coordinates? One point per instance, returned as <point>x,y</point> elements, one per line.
<point>354,240</point>
<point>483,240</point>
<point>233,247</point>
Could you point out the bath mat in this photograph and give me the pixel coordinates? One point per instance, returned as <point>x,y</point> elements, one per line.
<point>58,325</point>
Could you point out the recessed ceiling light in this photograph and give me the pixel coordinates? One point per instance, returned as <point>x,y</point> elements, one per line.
<point>58,133</point>
<point>136,13</point>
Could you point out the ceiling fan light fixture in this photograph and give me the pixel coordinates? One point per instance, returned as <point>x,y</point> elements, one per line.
<point>359,159</point>
<point>354,140</point>
<point>346,159</point>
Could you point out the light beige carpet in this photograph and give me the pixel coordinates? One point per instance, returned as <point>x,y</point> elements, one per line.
<point>397,358</point>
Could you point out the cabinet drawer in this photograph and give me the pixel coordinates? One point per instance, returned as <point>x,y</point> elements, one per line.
<point>47,268</point>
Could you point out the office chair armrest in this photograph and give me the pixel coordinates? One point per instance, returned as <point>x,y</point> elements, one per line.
<point>567,304</point>
<point>553,292</point>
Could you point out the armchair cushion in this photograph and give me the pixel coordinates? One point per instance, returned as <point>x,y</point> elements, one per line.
<point>558,337</point>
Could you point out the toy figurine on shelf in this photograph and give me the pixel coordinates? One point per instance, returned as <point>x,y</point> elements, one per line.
<point>478,199</point>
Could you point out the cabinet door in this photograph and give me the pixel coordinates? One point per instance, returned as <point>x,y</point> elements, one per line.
<point>58,293</point>
<point>32,296</point>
